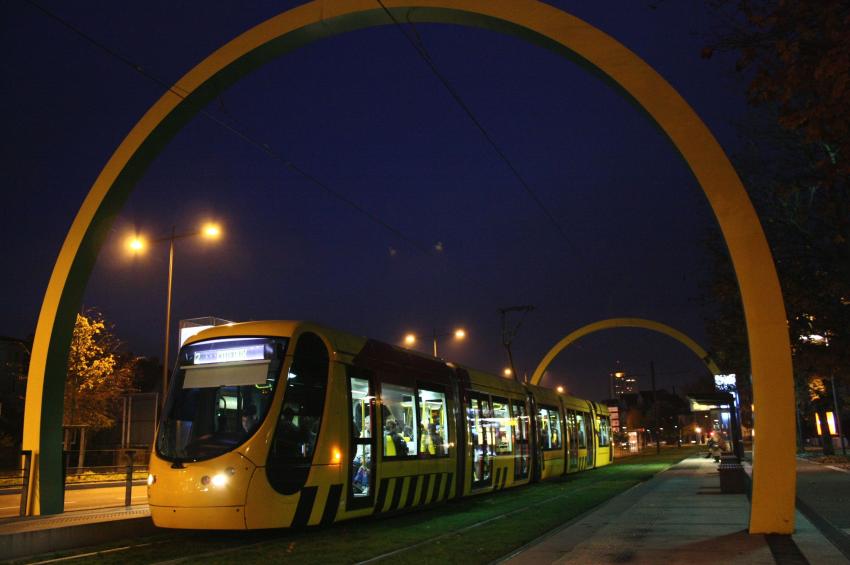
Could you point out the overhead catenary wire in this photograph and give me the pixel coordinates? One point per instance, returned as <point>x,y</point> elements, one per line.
<point>420,49</point>
<point>240,132</point>
<point>423,249</point>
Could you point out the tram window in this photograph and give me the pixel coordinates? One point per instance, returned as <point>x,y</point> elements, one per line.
<point>604,431</point>
<point>520,422</point>
<point>582,432</point>
<point>300,417</point>
<point>520,425</point>
<point>217,399</point>
<point>502,426</point>
<point>572,430</point>
<point>433,426</point>
<point>550,427</point>
<point>361,408</point>
<point>399,411</point>
<point>480,433</point>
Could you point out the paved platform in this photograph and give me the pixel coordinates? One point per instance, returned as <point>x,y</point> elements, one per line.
<point>678,517</point>
<point>39,534</point>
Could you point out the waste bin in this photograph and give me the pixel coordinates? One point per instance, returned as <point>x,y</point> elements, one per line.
<point>733,479</point>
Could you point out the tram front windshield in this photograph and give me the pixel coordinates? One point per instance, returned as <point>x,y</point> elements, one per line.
<point>220,393</point>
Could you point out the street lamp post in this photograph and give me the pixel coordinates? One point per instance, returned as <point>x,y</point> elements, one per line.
<point>136,245</point>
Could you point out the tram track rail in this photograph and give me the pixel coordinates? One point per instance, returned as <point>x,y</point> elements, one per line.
<point>470,527</point>
<point>398,551</point>
<point>513,517</point>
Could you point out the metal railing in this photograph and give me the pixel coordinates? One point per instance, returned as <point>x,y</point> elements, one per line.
<point>126,474</point>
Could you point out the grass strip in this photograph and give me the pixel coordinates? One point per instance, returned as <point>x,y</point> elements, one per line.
<point>447,533</point>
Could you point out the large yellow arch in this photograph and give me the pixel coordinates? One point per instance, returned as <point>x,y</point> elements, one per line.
<point>610,323</point>
<point>539,23</point>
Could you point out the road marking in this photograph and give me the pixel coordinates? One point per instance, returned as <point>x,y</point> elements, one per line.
<point>837,469</point>
<point>91,554</point>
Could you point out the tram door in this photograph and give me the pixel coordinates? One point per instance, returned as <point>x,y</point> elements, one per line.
<point>479,415</point>
<point>592,438</point>
<point>521,425</point>
<point>361,389</point>
<point>572,431</point>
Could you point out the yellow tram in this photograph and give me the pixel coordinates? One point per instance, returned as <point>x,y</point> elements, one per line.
<point>286,424</point>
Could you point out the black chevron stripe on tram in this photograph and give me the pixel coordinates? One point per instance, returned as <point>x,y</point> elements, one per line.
<point>449,485</point>
<point>305,506</point>
<point>504,478</point>
<point>399,486</point>
<point>411,492</point>
<point>438,482</point>
<point>332,505</point>
<point>382,496</point>
<point>424,494</point>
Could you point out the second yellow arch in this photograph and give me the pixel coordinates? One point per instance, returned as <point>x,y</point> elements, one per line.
<point>623,323</point>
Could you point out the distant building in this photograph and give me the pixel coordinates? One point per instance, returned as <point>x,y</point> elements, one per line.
<point>622,383</point>
<point>14,364</point>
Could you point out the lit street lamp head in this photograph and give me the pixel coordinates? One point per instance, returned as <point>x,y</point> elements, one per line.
<point>211,231</point>
<point>409,339</point>
<point>135,244</point>
<point>460,333</point>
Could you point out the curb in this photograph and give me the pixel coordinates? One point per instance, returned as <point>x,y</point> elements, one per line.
<point>33,542</point>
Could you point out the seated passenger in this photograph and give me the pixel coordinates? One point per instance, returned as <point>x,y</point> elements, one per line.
<point>395,444</point>
<point>361,478</point>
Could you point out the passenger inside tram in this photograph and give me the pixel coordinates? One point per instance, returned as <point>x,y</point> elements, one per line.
<point>361,476</point>
<point>249,418</point>
<point>395,444</point>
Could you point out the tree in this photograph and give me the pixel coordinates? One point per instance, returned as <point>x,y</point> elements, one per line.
<point>796,166</point>
<point>96,376</point>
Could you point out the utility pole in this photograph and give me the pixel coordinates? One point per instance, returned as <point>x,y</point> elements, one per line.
<point>837,416</point>
<point>508,335</point>
<point>655,406</point>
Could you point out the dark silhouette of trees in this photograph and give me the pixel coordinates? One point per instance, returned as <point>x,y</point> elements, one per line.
<point>796,166</point>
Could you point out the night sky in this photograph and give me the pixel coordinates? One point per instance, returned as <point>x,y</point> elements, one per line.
<point>364,114</point>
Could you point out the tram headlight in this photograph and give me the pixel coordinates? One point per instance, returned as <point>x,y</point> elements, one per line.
<point>219,480</point>
<point>151,479</point>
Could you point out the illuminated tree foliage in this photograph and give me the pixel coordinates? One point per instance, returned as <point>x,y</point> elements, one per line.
<point>95,375</point>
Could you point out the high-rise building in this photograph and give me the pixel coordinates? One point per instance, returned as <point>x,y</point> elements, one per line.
<point>622,383</point>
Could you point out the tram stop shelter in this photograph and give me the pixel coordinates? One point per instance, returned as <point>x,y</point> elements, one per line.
<point>722,412</point>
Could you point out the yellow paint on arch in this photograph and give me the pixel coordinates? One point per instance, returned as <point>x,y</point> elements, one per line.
<point>539,23</point>
<point>611,323</point>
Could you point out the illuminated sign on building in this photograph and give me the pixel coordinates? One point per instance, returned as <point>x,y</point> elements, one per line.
<point>725,382</point>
